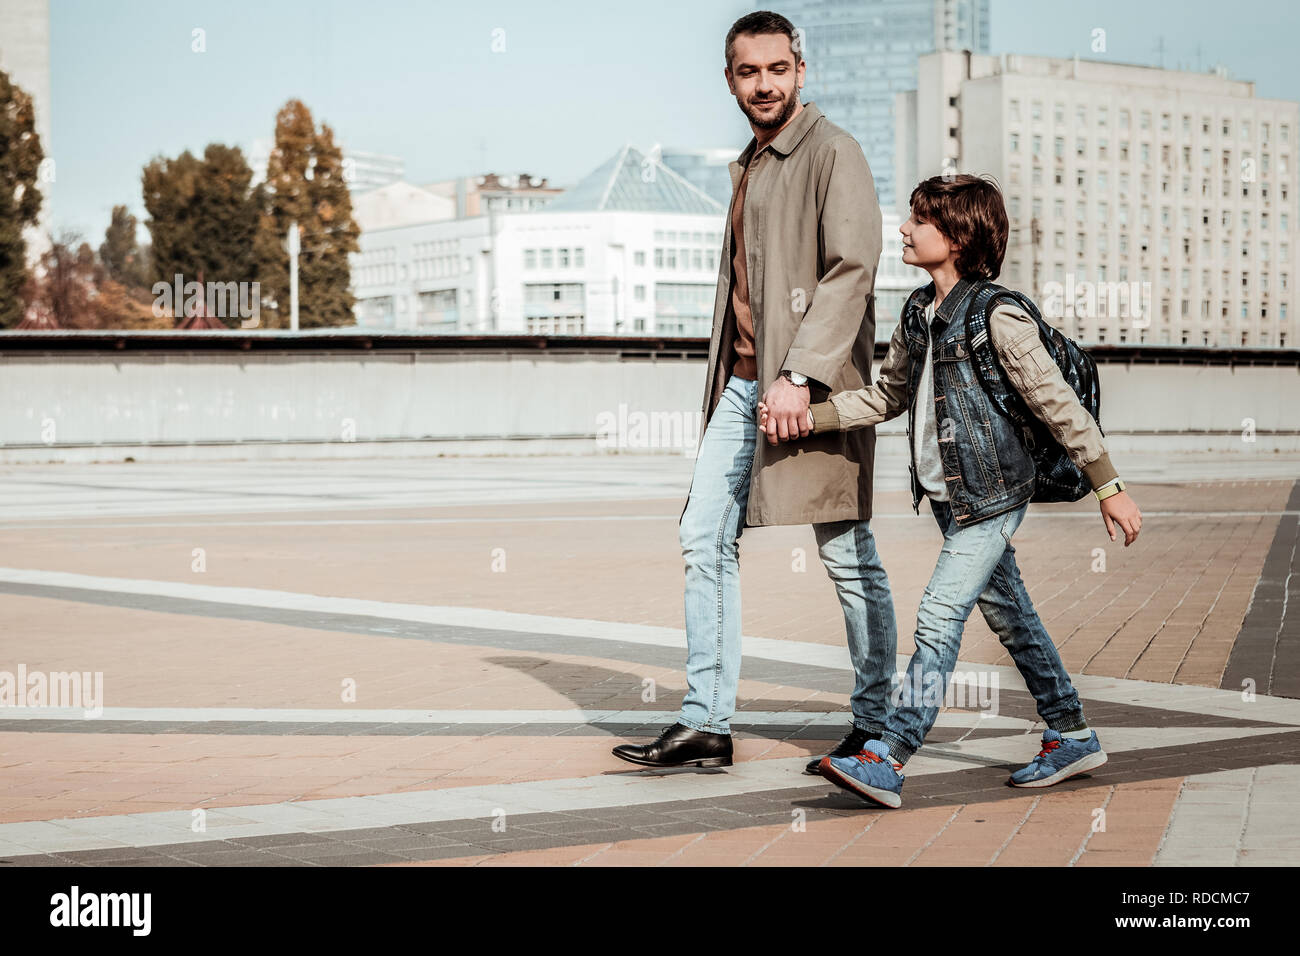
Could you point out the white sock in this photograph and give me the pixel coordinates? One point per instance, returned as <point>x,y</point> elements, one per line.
<point>1083,734</point>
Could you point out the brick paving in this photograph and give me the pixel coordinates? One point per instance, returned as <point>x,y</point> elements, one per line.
<point>365,672</point>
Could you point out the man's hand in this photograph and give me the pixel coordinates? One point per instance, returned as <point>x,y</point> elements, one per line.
<point>1120,509</point>
<point>784,411</point>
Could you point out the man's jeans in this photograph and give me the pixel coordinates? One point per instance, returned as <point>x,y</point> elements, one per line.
<point>977,564</point>
<point>711,524</point>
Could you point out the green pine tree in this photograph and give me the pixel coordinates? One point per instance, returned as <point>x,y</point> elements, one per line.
<point>123,259</point>
<point>20,200</point>
<point>305,184</point>
<point>203,217</point>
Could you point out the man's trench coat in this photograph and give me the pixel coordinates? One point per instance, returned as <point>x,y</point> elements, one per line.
<point>812,243</point>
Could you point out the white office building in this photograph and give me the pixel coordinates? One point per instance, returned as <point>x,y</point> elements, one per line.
<point>895,280</point>
<point>362,170</point>
<point>860,53</point>
<point>1146,205</point>
<point>25,57</point>
<point>631,249</point>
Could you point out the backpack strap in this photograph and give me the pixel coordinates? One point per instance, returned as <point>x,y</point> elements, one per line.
<point>983,355</point>
<point>977,324</point>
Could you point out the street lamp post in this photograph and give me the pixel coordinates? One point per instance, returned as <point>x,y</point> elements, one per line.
<point>294,246</point>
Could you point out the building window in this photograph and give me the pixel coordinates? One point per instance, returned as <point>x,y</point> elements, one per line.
<point>530,258</point>
<point>638,258</point>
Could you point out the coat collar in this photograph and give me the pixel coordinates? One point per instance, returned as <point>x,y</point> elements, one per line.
<point>785,142</point>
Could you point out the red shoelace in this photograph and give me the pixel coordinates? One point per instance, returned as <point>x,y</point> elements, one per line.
<point>866,756</point>
<point>1051,745</point>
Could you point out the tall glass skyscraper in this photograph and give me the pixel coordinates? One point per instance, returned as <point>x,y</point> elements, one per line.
<point>861,52</point>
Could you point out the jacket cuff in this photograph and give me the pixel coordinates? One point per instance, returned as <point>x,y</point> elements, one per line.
<point>825,417</point>
<point>1097,472</point>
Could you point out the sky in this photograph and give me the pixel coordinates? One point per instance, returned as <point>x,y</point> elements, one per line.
<point>509,86</point>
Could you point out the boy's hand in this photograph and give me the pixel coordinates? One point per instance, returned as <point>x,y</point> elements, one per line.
<point>768,426</point>
<point>1120,509</point>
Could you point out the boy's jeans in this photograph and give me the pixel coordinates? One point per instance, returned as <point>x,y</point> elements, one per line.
<point>977,563</point>
<point>711,524</point>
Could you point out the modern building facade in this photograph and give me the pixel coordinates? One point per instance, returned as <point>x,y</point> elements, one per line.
<point>25,57</point>
<point>481,195</point>
<point>1146,205</point>
<point>631,249</point>
<point>895,280</point>
<point>860,53</point>
<point>708,170</point>
<point>364,170</point>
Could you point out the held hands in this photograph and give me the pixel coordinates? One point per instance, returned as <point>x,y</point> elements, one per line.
<point>1120,509</point>
<point>783,413</point>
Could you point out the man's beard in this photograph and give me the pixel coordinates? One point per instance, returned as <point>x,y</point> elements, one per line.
<point>787,110</point>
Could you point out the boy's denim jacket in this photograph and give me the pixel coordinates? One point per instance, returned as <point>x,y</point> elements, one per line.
<point>985,463</point>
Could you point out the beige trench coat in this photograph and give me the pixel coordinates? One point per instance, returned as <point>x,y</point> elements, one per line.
<point>812,243</point>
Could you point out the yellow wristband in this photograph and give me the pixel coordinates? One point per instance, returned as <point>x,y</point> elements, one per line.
<point>1112,490</point>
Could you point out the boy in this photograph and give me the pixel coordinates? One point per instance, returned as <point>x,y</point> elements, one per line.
<point>969,460</point>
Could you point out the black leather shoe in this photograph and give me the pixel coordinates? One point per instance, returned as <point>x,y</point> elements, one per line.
<point>680,746</point>
<point>852,743</point>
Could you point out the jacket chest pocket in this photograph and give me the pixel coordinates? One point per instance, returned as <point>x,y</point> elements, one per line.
<point>952,367</point>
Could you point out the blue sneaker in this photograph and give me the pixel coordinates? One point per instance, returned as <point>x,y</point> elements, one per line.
<point>1060,759</point>
<point>870,774</point>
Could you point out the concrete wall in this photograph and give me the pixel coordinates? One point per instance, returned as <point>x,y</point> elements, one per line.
<point>172,405</point>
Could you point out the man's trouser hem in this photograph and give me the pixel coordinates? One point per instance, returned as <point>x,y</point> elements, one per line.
<point>704,729</point>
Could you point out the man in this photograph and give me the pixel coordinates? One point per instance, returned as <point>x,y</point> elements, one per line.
<point>793,321</point>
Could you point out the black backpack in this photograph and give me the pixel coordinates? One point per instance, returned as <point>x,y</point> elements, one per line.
<point>1058,478</point>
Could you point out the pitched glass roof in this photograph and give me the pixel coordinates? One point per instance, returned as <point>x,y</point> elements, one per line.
<point>631,181</point>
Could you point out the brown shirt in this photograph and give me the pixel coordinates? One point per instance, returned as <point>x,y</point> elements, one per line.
<point>745,365</point>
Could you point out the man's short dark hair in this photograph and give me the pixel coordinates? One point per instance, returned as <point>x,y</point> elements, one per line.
<point>968,210</point>
<point>759,22</point>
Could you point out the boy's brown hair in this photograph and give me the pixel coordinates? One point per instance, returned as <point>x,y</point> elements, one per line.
<point>968,210</point>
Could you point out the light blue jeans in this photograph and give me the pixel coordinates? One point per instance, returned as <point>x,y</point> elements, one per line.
<point>977,565</point>
<point>712,523</point>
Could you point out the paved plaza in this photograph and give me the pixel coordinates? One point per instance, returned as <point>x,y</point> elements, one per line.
<point>426,661</point>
